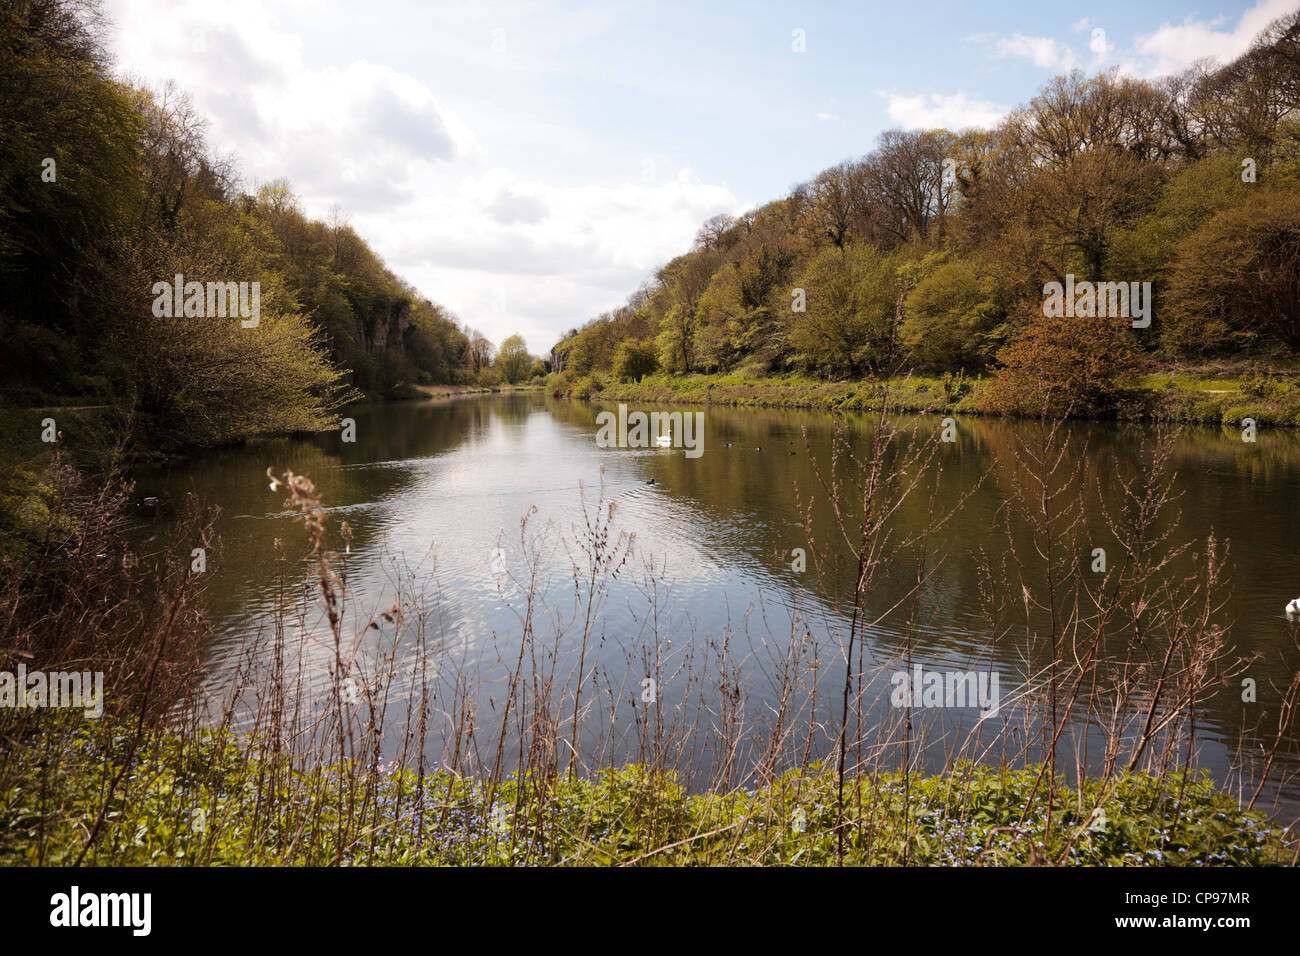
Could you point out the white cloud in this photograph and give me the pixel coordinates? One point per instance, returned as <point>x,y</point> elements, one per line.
<point>1168,49</point>
<point>1173,47</point>
<point>1044,52</point>
<point>509,207</point>
<point>934,111</point>
<point>827,116</point>
<point>513,254</point>
<point>462,221</point>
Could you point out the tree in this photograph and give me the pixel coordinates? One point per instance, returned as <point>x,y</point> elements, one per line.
<point>904,184</point>
<point>1059,366</point>
<point>513,359</point>
<point>1104,177</point>
<point>832,205</point>
<point>105,190</point>
<point>1091,162</point>
<point>951,314</point>
<point>635,359</point>
<point>481,350</point>
<point>676,340</point>
<point>850,309</point>
<point>681,284</point>
<point>1189,199</point>
<point>1237,278</point>
<point>716,231</point>
<point>69,177</point>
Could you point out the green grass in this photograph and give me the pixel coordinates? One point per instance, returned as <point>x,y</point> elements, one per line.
<point>200,801</point>
<point>442,391</point>
<point>1224,398</point>
<point>1195,397</point>
<point>914,394</point>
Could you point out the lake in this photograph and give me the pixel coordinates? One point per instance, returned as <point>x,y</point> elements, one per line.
<point>708,641</point>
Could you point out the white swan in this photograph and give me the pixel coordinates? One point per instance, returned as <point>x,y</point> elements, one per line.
<point>1293,607</point>
<point>664,441</point>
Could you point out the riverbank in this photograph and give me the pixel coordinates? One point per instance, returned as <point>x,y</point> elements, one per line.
<point>450,391</point>
<point>1205,395</point>
<point>207,801</point>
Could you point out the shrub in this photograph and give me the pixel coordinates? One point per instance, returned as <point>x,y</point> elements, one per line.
<point>589,386</point>
<point>1059,365</point>
<point>1262,385</point>
<point>559,385</point>
<point>955,387</point>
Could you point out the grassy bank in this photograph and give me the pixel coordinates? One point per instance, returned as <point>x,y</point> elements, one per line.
<point>1209,395</point>
<point>446,391</point>
<point>911,395</point>
<point>207,800</point>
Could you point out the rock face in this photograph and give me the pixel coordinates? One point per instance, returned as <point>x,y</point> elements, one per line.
<point>378,335</point>
<point>385,328</point>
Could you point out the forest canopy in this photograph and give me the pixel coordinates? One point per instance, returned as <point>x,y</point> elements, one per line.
<point>931,252</point>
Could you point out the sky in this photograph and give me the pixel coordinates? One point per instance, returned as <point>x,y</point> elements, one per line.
<point>529,164</point>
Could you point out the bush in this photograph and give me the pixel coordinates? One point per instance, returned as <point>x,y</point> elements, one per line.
<point>1263,385</point>
<point>955,387</point>
<point>588,387</point>
<point>559,385</point>
<point>1062,365</point>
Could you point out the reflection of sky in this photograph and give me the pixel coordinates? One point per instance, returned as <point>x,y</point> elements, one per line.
<point>473,469</point>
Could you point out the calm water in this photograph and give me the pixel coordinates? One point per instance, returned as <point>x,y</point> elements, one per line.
<point>438,486</point>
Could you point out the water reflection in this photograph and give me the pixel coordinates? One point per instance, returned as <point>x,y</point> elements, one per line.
<point>435,487</point>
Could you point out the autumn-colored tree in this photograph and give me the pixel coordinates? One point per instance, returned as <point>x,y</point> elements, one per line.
<point>1065,365</point>
<point>1237,278</point>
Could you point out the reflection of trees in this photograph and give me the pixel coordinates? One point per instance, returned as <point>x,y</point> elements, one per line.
<point>749,502</point>
<point>406,430</point>
<point>235,480</point>
<point>743,510</point>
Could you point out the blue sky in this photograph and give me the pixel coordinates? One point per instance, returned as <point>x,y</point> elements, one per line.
<point>529,164</point>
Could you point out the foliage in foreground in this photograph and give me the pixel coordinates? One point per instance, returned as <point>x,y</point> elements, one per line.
<point>204,800</point>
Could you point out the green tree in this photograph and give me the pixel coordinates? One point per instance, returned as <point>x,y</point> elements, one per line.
<point>851,298</point>
<point>635,359</point>
<point>950,317</point>
<point>513,359</point>
<point>69,177</point>
<point>676,341</point>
